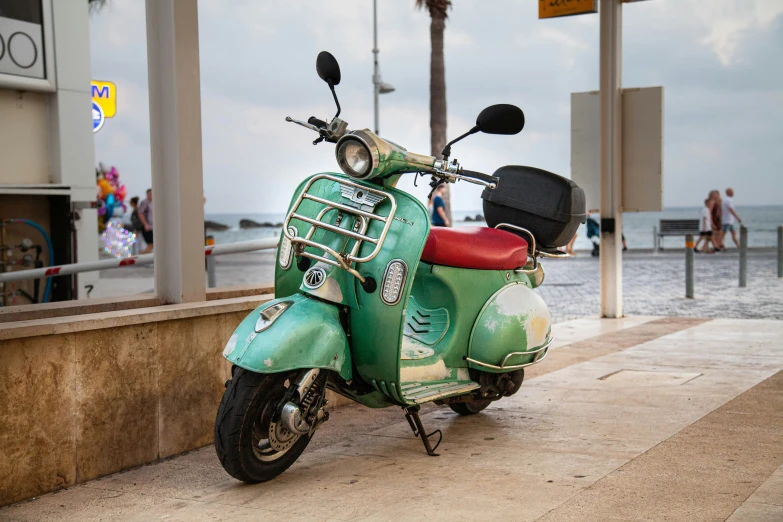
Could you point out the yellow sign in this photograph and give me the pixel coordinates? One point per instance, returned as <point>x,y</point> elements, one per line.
<point>105,95</point>
<point>555,8</point>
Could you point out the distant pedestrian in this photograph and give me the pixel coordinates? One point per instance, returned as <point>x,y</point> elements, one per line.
<point>715,213</point>
<point>728,214</point>
<point>145,216</point>
<point>594,235</point>
<point>438,215</point>
<point>705,227</point>
<point>136,225</point>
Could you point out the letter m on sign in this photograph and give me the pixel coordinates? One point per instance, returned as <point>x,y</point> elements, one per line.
<point>102,92</point>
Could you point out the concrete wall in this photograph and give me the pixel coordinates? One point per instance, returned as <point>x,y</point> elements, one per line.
<point>24,138</point>
<point>81,397</point>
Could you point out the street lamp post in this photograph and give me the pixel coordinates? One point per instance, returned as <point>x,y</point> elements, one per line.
<point>378,86</point>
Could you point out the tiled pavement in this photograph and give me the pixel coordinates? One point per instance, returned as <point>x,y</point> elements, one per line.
<point>631,419</point>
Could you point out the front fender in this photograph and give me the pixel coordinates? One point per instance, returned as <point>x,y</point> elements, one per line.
<point>308,334</point>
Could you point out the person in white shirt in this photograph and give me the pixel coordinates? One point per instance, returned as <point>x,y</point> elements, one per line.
<point>705,228</point>
<point>728,214</point>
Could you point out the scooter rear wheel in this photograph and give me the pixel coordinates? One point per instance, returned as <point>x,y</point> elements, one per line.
<point>469,408</point>
<point>251,445</point>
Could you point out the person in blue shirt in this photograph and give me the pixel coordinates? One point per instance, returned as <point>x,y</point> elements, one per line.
<point>438,217</point>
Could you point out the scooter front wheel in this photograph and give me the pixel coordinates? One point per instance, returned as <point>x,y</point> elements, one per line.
<point>250,441</point>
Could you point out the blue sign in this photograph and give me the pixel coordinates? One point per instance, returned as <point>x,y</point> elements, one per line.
<point>97,117</point>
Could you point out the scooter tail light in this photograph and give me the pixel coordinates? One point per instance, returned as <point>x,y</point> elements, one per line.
<point>286,250</point>
<point>393,281</point>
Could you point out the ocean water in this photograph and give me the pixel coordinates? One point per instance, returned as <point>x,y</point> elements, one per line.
<point>762,223</point>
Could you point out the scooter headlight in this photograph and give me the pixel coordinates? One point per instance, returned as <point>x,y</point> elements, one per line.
<point>354,157</point>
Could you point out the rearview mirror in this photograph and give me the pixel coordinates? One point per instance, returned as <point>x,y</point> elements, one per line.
<point>500,119</point>
<point>328,69</point>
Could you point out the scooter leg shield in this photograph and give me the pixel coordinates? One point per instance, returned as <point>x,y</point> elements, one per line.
<point>291,333</point>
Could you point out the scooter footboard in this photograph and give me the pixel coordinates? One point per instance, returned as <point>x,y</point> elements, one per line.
<point>288,334</point>
<point>513,330</point>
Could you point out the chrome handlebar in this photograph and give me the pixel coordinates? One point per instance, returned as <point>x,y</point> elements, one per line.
<point>449,172</point>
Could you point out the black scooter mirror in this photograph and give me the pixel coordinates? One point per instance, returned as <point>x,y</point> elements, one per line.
<point>501,119</point>
<point>328,69</point>
<point>495,119</point>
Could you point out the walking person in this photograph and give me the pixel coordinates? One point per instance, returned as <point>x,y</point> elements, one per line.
<point>135,223</point>
<point>145,216</point>
<point>705,228</point>
<point>728,214</point>
<point>715,213</point>
<point>438,216</point>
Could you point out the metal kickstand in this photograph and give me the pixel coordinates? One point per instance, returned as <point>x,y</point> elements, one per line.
<point>412,414</point>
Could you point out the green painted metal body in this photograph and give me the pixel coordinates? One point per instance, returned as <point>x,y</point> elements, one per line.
<point>514,319</point>
<point>307,335</point>
<point>444,313</point>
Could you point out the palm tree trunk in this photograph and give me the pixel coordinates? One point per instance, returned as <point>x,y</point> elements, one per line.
<point>438,94</point>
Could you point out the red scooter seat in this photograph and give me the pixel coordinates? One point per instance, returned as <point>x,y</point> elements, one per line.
<point>479,248</point>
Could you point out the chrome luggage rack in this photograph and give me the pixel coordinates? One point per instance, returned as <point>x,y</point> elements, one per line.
<point>359,195</point>
<point>535,252</point>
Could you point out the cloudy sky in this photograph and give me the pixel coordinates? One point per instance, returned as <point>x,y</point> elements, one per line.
<point>718,60</point>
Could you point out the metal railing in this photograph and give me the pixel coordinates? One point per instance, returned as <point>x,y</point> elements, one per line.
<point>144,259</point>
<point>743,259</point>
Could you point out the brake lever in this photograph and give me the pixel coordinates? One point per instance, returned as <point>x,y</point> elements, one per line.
<point>303,124</point>
<point>318,140</point>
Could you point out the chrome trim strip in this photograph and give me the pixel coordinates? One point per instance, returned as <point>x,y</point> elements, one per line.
<point>543,350</point>
<point>270,314</point>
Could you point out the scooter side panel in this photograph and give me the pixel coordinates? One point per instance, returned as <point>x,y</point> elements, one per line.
<point>515,319</point>
<point>376,327</point>
<point>307,335</point>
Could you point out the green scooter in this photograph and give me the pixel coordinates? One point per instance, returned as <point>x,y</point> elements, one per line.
<point>372,303</point>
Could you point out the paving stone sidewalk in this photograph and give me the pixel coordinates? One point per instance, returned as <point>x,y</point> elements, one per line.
<point>655,285</point>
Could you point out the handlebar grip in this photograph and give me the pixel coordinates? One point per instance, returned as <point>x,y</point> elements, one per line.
<point>315,121</point>
<point>479,175</point>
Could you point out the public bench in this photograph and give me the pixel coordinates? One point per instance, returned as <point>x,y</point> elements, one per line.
<point>674,227</point>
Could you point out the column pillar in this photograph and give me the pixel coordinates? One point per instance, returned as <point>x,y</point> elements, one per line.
<point>610,13</point>
<point>175,141</point>
<point>71,145</point>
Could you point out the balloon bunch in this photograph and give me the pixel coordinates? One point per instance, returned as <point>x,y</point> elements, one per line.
<point>117,240</point>
<point>111,193</point>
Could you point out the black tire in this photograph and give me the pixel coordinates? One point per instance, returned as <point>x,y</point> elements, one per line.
<point>244,415</point>
<point>469,408</point>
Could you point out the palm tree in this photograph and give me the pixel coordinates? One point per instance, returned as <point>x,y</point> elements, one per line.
<point>96,5</point>
<point>438,10</point>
